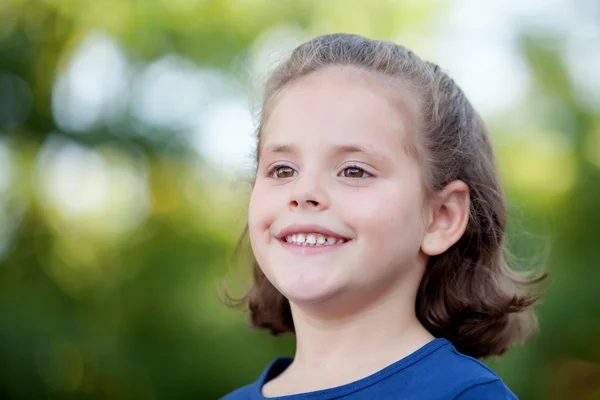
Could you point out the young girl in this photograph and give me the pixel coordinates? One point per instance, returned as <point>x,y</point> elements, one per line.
<point>377,222</point>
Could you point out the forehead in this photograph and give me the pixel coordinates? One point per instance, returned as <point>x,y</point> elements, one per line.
<point>341,105</point>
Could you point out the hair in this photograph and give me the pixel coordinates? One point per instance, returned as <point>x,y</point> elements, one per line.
<point>468,294</point>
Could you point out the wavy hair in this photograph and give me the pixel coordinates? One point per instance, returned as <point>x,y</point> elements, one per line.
<point>468,294</point>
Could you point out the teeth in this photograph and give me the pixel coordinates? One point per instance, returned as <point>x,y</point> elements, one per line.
<point>312,239</point>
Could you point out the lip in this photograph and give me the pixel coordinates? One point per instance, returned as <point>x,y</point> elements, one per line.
<point>311,250</point>
<point>309,228</point>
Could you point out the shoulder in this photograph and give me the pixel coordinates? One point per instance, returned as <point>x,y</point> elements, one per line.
<point>462,377</point>
<point>494,390</point>
<point>252,391</point>
<point>239,394</point>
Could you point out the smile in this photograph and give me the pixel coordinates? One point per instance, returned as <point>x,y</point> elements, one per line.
<point>308,239</point>
<point>307,248</point>
<point>313,239</point>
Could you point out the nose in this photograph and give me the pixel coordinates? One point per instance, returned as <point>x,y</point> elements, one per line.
<point>308,193</point>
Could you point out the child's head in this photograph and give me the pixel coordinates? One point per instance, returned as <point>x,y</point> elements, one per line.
<point>375,180</point>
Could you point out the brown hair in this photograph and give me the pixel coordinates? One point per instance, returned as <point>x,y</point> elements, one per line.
<point>468,294</point>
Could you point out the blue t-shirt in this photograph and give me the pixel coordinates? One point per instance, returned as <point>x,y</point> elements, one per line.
<point>435,371</point>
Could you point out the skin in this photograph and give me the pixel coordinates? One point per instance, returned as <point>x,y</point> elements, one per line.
<point>353,306</point>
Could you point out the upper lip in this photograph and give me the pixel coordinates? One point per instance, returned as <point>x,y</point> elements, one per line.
<point>308,228</point>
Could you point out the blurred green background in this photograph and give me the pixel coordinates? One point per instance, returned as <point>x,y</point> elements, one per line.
<point>126,129</point>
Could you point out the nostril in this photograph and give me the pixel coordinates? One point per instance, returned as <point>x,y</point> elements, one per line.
<point>305,203</point>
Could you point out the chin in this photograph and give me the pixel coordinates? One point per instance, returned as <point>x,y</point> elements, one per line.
<point>308,290</point>
<point>309,297</point>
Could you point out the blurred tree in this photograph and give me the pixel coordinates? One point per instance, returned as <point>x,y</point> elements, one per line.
<point>113,241</point>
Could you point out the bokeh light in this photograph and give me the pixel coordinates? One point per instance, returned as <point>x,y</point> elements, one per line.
<point>127,134</point>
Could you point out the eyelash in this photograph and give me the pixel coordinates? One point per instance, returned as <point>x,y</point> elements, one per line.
<point>274,169</point>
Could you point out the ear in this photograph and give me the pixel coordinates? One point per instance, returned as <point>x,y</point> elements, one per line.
<point>446,218</point>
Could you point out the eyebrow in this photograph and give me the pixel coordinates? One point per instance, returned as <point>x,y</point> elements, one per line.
<point>337,150</point>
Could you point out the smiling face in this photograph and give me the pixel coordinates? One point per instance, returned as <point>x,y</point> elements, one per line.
<point>336,211</point>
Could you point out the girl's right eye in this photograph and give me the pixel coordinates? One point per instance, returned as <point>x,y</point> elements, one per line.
<point>282,172</point>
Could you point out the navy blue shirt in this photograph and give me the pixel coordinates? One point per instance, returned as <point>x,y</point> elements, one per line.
<point>435,371</point>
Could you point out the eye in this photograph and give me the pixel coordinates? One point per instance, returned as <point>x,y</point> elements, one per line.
<point>355,172</point>
<point>281,172</point>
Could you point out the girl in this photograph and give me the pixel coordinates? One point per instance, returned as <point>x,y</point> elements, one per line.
<point>377,221</point>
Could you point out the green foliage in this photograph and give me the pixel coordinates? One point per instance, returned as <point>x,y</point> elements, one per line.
<point>117,296</point>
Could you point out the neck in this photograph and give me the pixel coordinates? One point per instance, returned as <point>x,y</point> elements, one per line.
<point>352,345</point>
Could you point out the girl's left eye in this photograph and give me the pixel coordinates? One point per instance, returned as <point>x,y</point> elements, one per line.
<point>281,172</point>
<point>355,172</point>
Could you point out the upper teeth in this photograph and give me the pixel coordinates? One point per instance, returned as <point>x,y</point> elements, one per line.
<point>312,239</point>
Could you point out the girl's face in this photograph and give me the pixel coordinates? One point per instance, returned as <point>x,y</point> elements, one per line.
<point>336,211</point>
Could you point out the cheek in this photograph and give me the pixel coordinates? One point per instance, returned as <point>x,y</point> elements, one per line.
<point>260,213</point>
<point>255,230</point>
<point>386,215</point>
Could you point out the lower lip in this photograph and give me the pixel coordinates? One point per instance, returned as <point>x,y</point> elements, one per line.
<point>310,250</point>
